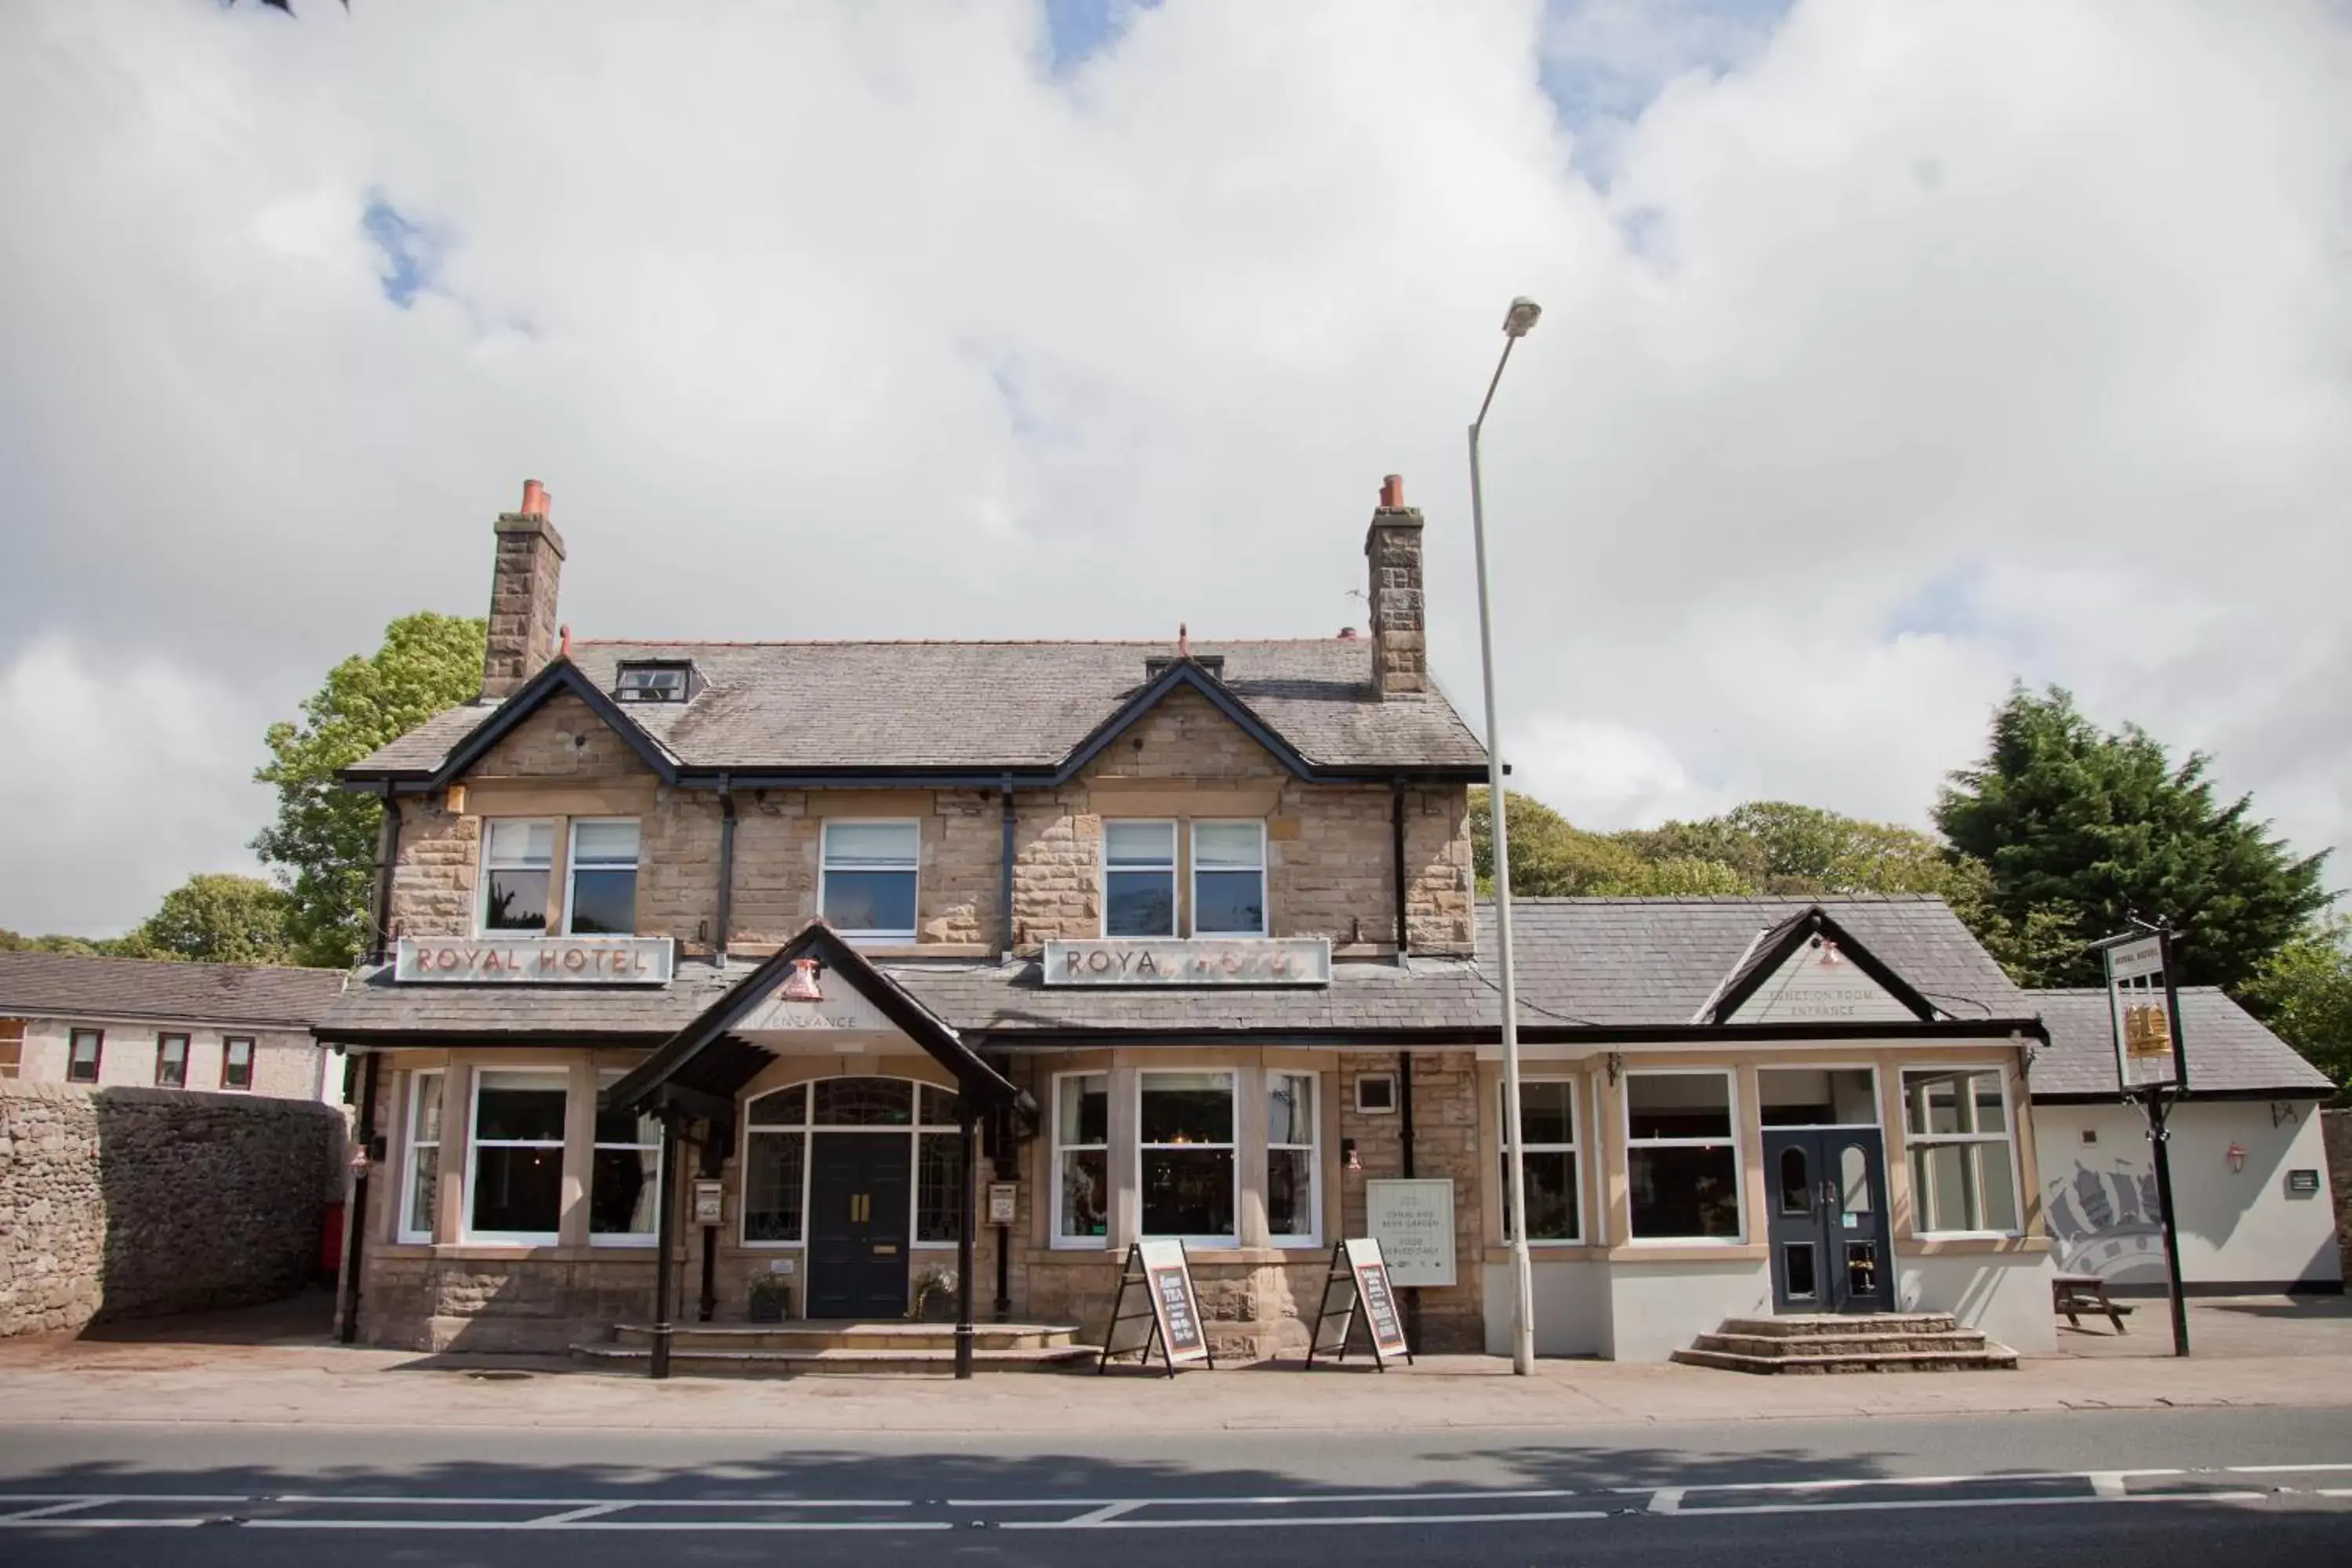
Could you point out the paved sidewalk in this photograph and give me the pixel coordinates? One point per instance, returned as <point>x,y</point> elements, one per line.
<point>254,1368</point>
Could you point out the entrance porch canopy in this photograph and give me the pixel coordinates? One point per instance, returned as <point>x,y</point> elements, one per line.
<point>701,1068</point>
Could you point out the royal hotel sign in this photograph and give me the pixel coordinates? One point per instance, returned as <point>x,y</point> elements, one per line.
<point>535,959</point>
<point>1203,961</point>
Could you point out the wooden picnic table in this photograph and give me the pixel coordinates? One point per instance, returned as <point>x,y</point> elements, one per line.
<point>2075,1293</point>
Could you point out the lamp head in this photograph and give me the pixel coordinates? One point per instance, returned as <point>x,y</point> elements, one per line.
<point>1522,317</point>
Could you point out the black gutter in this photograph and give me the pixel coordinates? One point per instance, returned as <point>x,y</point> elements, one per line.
<point>387,852</point>
<point>436,1035</point>
<point>1004,854</point>
<point>726,871</point>
<point>356,1228</point>
<point>2116,1096</point>
<point>1728,1034</point>
<point>410,782</point>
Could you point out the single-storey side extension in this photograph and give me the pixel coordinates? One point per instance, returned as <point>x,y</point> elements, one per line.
<point>2249,1169</point>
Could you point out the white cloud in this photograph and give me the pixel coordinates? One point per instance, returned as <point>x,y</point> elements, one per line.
<point>128,777</point>
<point>843,322</point>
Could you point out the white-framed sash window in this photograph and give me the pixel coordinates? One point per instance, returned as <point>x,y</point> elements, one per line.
<point>601,899</point>
<point>1963,1164</point>
<point>624,1177</point>
<point>420,1182</point>
<point>1294,1163</point>
<point>868,880</point>
<point>1547,1155</point>
<point>514,1167</point>
<point>1081,1160</point>
<point>1139,879</point>
<point>1229,878</point>
<point>1186,1169</point>
<point>1682,1156</point>
<point>517,860</point>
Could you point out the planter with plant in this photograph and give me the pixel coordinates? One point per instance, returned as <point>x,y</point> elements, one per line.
<point>770,1295</point>
<point>935,1296</point>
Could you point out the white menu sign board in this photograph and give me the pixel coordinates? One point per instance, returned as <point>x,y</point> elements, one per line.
<point>1413,1223</point>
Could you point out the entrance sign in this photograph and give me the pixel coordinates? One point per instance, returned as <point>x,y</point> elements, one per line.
<point>1167,1315</point>
<point>1357,1287</point>
<point>1203,961</point>
<point>534,961</point>
<point>1412,1221</point>
<point>2148,1048</point>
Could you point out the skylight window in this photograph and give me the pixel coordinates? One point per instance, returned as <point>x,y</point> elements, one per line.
<point>655,683</point>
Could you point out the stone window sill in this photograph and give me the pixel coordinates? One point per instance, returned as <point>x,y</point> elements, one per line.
<point>498,1252</point>
<point>1974,1247</point>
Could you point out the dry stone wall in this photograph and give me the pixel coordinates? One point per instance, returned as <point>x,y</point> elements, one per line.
<point>132,1202</point>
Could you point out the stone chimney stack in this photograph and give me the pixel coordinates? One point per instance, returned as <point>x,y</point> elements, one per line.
<point>523,582</point>
<point>1393,545</point>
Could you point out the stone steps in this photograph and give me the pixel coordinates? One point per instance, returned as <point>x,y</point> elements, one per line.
<point>1892,1341</point>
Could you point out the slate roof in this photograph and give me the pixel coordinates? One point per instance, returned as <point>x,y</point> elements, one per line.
<point>68,986</point>
<point>786,706</point>
<point>1659,960</point>
<point>2229,1052</point>
<point>375,1006</point>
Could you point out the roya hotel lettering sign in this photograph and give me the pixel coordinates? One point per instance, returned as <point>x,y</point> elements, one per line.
<point>535,959</point>
<point>1237,961</point>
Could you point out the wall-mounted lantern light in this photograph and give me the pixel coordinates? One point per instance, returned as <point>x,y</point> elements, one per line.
<point>2237,1156</point>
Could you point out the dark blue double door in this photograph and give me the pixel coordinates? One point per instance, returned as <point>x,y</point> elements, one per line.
<point>1828,1228</point>
<point>860,1185</point>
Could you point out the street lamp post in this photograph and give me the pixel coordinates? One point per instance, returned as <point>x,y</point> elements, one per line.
<point>1516,324</point>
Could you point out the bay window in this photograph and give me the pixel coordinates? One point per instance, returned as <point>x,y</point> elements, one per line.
<point>1081,1159</point>
<point>867,884</point>
<point>1681,1163</point>
<point>1293,1166</point>
<point>1548,1148</point>
<point>1139,879</point>
<point>602,897</point>
<point>624,1178</point>
<point>518,857</point>
<point>1186,1171</point>
<point>1962,1176</point>
<point>421,1162</point>
<point>1229,878</point>
<point>515,1176</point>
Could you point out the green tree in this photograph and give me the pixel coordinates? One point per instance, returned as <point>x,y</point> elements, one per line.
<point>2304,991</point>
<point>13,941</point>
<point>2078,830</point>
<point>1549,858</point>
<point>217,918</point>
<point>324,840</point>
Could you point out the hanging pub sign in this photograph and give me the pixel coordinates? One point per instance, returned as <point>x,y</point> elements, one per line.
<point>1358,1288</point>
<point>1164,1312</point>
<point>2145,1011</point>
<point>534,960</point>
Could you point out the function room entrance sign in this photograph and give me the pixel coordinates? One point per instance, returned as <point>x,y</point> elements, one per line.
<point>1165,1312</point>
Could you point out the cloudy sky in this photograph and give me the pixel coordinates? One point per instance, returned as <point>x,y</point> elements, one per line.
<point>1889,353</point>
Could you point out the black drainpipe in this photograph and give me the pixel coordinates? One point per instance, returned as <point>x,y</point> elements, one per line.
<point>726,870</point>
<point>387,855</point>
<point>1004,882</point>
<point>356,1227</point>
<point>1404,1058</point>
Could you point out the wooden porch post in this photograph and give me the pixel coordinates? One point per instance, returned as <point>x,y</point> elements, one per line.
<point>664,1244</point>
<point>966,1151</point>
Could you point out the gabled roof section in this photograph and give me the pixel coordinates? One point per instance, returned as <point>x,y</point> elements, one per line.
<point>705,1059</point>
<point>966,714</point>
<point>1790,970</point>
<point>72,986</point>
<point>1183,673</point>
<point>463,752</point>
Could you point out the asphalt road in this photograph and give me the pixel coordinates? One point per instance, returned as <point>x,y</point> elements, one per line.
<point>2084,1489</point>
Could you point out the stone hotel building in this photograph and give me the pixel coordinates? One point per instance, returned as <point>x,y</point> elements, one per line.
<point>847,952</point>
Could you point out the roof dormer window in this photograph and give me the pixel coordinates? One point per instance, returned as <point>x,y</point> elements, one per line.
<point>667,681</point>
